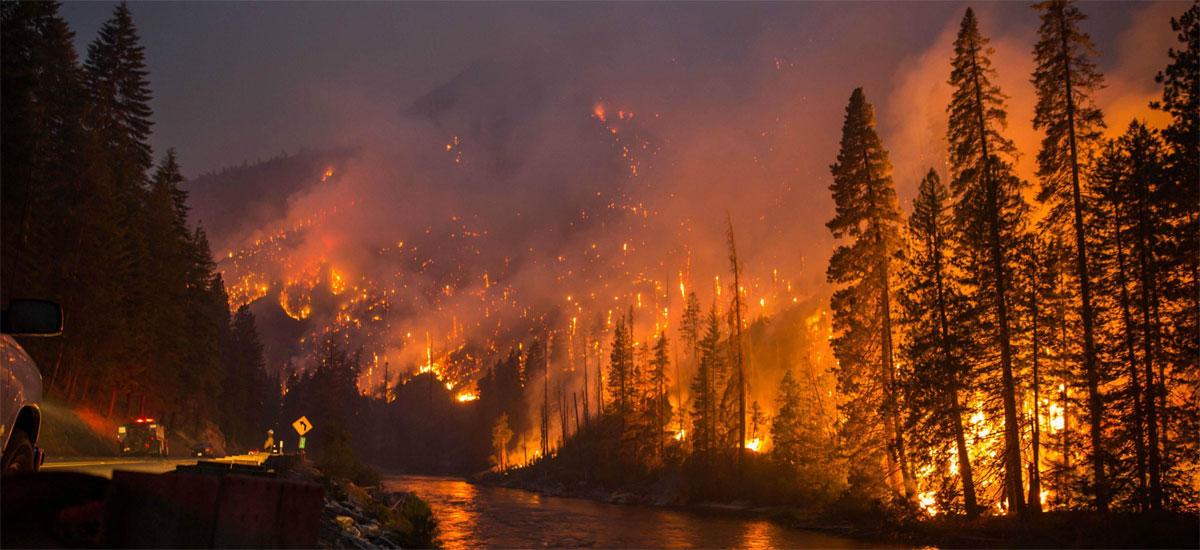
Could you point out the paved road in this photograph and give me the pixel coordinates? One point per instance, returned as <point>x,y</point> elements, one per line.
<point>104,466</point>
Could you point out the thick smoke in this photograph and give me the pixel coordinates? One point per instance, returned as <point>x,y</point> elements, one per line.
<point>586,165</point>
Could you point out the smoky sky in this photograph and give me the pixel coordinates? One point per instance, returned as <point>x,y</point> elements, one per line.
<point>238,81</point>
<point>737,112</point>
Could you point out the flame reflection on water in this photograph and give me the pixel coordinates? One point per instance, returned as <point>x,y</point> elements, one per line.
<point>472,516</point>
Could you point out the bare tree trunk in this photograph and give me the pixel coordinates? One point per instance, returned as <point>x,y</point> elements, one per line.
<point>889,380</point>
<point>586,388</point>
<point>599,383</point>
<point>1145,265</point>
<point>1035,464</point>
<point>738,355</point>
<point>563,413</point>
<point>575,402</point>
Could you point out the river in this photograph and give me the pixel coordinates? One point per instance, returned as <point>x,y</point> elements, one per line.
<point>475,516</point>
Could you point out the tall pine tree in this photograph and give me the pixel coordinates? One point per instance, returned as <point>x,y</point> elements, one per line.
<point>868,215</point>
<point>705,387</point>
<point>1132,179</point>
<point>989,213</point>
<point>935,369</point>
<point>1180,204</point>
<point>1066,79</point>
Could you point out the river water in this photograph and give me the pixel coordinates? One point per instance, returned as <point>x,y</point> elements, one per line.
<point>475,516</point>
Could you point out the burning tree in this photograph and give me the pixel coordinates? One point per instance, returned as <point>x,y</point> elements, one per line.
<point>935,370</point>
<point>1179,412</point>
<point>803,443</point>
<point>867,213</point>
<point>501,434</point>
<point>709,372</point>
<point>1130,176</point>
<point>1066,78</point>
<point>989,216</point>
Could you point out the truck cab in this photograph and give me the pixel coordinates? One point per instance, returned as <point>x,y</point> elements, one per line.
<point>142,436</point>
<point>21,382</point>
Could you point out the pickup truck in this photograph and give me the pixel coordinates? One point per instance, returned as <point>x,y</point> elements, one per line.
<point>21,384</point>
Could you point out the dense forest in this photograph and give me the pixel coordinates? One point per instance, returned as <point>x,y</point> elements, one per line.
<point>91,221</point>
<point>999,346</point>
<point>1002,346</point>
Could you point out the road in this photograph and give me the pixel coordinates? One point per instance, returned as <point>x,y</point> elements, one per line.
<point>104,466</point>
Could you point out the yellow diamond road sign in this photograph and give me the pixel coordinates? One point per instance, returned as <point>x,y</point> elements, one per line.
<point>302,425</point>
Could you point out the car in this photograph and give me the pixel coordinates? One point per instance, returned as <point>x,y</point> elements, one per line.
<point>20,400</point>
<point>203,450</point>
<point>142,436</point>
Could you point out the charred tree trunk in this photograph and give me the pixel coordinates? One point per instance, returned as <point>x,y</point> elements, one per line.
<point>738,353</point>
<point>586,389</point>
<point>599,383</point>
<point>1149,322</point>
<point>893,409</point>
<point>575,405</point>
<point>1035,463</point>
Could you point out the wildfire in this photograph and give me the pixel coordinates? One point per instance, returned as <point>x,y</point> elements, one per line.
<point>755,445</point>
<point>1057,418</point>
<point>680,435</point>
<point>336,284</point>
<point>927,503</point>
<point>297,305</point>
<point>466,397</point>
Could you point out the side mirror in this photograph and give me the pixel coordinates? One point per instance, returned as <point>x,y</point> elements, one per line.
<point>31,318</point>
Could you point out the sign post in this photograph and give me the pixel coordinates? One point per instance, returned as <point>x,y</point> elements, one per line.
<point>302,426</point>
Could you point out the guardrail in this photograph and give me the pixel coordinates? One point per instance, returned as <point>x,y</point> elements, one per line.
<point>212,504</point>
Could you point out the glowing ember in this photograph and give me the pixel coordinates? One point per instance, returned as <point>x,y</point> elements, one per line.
<point>927,503</point>
<point>336,284</point>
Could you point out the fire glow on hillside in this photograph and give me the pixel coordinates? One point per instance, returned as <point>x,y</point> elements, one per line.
<point>503,226</point>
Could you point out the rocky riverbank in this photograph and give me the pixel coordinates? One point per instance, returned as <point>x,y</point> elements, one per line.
<point>355,516</point>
